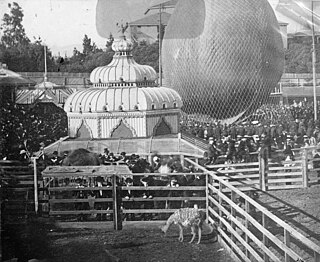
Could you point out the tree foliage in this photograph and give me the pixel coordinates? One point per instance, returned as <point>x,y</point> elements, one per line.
<point>21,54</point>
<point>16,49</point>
<point>91,57</point>
<point>147,54</point>
<point>13,30</point>
<point>299,55</point>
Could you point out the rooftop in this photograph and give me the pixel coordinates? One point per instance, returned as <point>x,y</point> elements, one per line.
<point>152,20</point>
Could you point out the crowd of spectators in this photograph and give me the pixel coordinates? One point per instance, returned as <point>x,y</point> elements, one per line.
<point>279,127</point>
<point>23,128</point>
<point>158,171</point>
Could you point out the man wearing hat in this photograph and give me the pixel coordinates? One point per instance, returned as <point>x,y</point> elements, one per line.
<point>306,141</point>
<point>24,156</point>
<point>288,149</point>
<point>231,151</point>
<point>316,162</point>
<point>105,155</point>
<point>42,157</point>
<point>242,149</point>
<point>213,152</point>
<point>65,155</point>
<point>54,160</point>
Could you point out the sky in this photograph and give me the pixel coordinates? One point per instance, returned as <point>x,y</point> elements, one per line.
<point>62,24</point>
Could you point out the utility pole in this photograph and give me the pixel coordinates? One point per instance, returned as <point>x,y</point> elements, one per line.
<point>160,46</point>
<point>163,5</point>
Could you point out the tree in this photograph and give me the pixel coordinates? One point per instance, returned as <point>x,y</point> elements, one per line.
<point>147,54</point>
<point>13,30</point>
<point>299,55</point>
<point>109,42</point>
<point>87,47</point>
<point>16,49</point>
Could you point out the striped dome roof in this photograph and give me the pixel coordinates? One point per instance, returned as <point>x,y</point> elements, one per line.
<point>123,85</point>
<point>123,68</point>
<point>122,99</point>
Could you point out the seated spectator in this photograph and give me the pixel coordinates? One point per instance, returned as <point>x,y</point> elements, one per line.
<point>24,156</point>
<point>54,160</point>
<point>123,157</point>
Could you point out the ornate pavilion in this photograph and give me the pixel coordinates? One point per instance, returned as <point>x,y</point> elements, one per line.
<point>125,110</point>
<point>124,102</point>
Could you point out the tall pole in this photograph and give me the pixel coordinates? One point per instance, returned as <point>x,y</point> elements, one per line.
<point>35,183</point>
<point>160,46</point>
<point>314,64</point>
<point>45,64</point>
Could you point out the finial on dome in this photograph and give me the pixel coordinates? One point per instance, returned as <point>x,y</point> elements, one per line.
<point>122,28</point>
<point>122,44</point>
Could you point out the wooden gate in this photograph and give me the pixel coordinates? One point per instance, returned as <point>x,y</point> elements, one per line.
<point>250,231</point>
<point>98,193</point>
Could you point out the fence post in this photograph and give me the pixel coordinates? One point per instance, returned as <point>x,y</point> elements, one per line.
<point>35,183</point>
<point>304,165</point>
<point>287,241</point>
<point>150,159</point>
<point>263,172</point>
<point>246,224</point>
<point>182,159</point>
<point>316,256</point>
<point>264,237</point>
<point>221,225</point>
<point>116,197</point>
<point>207,197</point>
<point>233,213</point>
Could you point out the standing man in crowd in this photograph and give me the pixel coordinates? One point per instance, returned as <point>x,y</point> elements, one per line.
<point>213,152</point>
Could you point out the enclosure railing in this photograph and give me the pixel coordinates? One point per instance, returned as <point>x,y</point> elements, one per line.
<point>201,143</point>
<point>245,227</point>
<point>79,192</point>
<point>20,187</point>
<point>249,230</point>
<point>141,146</point>
<point>264,175</point>
<point>244,176</point>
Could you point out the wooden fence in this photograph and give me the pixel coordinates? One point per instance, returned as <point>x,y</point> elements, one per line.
<point>273,175</point>
<point>75,191</point>
<point>249,230</point>
<point>19,189</point>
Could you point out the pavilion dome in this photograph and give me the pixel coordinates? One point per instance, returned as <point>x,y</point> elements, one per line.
<point>123,99</point>
<point>123,70</point>
<point>123,85</point>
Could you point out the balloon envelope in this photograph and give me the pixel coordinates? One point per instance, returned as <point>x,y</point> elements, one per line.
<point>223,57</point>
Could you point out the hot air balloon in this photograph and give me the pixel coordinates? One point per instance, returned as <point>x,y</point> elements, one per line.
<point>223,57</point>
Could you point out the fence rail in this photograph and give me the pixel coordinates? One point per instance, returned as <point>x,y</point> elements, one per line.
<point>66,197</point>
<point>250,231</point>
<point>245,227</point>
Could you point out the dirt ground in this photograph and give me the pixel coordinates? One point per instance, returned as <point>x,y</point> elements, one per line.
<point>135,243</point>
<point>300,208</point>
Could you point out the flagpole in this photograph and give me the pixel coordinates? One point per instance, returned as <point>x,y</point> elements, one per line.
<point>314,60</point>
<point>45,64</point>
